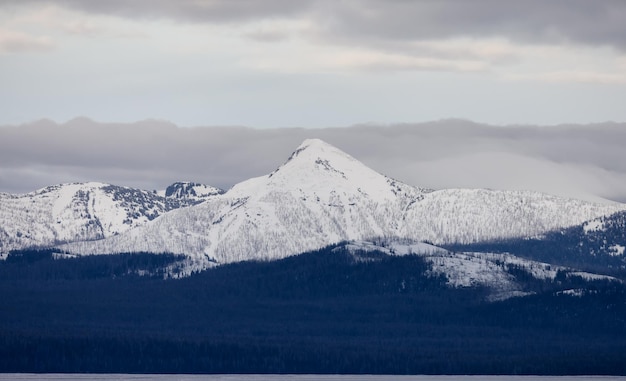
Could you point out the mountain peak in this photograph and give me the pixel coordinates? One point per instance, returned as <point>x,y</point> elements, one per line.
<point>315,156</point>
<point>191,190</point>
<point>315,144</point>
<point>325,172</point>
<point>316,147</point>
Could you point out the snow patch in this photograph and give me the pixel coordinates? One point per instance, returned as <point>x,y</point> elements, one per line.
<point>593,226</point>
<point>591,277</point>
<point>578,292</point>
<point>419,248</point>
<point>616,250</point>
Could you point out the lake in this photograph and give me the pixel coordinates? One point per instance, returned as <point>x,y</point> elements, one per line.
<point>306,377</point>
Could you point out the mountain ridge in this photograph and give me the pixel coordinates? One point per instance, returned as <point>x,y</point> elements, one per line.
<point>321,195</point>
<point>78,211</point>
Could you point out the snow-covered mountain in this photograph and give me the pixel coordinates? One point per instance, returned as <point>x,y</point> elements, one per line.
<point>322,195</point>
<point>79,212</point>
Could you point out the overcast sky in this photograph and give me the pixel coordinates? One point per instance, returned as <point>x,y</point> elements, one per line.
<point>313,63</point>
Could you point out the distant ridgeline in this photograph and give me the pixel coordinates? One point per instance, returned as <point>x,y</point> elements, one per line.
<point>334,310</point>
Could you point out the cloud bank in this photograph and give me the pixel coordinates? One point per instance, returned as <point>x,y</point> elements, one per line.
<point>579,21</point>
<point>581,161</point>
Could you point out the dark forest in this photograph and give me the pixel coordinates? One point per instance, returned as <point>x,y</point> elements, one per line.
<point>321,312</point>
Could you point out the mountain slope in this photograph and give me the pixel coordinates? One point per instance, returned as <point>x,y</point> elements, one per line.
<point>597,245</point>
<point>473,215</point>
<point>77,212</point>
<point>322,195</point>
<point>499,275</point>
<point>603,237</point>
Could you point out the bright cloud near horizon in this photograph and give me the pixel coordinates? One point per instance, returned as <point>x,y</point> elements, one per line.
<point>313,63</point>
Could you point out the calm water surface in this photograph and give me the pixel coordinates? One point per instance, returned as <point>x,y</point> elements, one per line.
<point>175,377</point>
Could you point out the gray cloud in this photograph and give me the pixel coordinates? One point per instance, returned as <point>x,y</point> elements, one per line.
<point>533,20</point>
<point>182,10</point>
<point>571,160</point>
<point>369,21</point>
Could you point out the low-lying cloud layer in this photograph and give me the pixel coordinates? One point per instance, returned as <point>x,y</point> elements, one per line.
<point>582,161</point>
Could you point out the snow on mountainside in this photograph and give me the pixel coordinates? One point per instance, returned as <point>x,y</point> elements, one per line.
<point>77,212</point>
<point>322,195</point>
<point>596,245</point>
<point>496,272</point>
<point>472,215</point>
<point>598,241</point>
<point>605,235</point>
